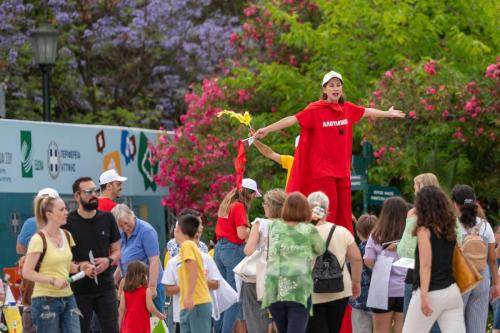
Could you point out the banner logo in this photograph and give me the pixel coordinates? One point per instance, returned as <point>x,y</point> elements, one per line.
<point>112,161</point>
<point>100,141</point>
<point>144,165</point>
<point>26,155</point>
<point>53,160</point>
<point>127,146</point>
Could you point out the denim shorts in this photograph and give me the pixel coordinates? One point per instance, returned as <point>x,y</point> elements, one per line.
<point>55,314</point>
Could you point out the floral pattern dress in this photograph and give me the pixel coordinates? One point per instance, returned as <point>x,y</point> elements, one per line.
<point>292,250</point>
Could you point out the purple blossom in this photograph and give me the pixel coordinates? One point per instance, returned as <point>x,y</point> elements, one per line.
<point>87,33</point>
<point>12,55</point>
<point>63,18</point>
<point>19,94</point>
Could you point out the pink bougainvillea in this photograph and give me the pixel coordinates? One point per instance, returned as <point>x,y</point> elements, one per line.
<point>448,121</point>
<point>430,67</point>
<point>195,161</point>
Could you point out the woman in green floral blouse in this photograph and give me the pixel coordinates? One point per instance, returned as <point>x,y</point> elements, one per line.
<point>294,243</point>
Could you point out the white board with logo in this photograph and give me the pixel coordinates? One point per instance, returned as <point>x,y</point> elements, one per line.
<point>34,155</point>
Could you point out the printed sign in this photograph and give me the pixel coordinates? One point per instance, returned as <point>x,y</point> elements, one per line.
<point>378,194</point>
<point>34,155</point>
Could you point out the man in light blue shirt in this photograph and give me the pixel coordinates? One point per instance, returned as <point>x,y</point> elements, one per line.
<point>139,242</point>
<point>27,231</point>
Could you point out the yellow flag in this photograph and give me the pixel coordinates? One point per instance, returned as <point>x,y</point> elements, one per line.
<point>244,119</point>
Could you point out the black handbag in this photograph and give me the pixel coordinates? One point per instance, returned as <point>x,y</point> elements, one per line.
<point>327,273</point>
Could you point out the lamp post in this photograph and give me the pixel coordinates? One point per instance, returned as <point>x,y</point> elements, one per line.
<point>44,45</point>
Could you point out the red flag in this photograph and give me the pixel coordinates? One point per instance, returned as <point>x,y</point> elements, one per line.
<point>239,164</point>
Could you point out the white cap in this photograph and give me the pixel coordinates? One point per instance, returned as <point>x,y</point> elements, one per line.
<point>111,176</point>
<point>50,192</point>
<point>251,185</point>
<point>330,75</point>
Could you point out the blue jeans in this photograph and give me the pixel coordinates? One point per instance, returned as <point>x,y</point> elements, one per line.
<point>290,317</point>
<point>496,320</point>
<point>55,314</point>
<point>227,256</point>
<point>198,320</point>
<point>170,315</point>
<point>408,295</point>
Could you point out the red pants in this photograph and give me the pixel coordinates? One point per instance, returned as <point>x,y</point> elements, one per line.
<point>338,191</point>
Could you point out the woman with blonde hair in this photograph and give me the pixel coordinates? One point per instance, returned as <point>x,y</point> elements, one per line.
<point>425,179</point>
<point>49,264</point>
<point>256,318</point>
<point>232,231</point>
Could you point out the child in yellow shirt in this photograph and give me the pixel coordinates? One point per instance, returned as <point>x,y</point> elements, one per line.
<point>195,300</point>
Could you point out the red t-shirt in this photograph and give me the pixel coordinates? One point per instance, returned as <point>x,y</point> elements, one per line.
<point>325,145</point>
<point>105,204</point>
<point>226,226</point>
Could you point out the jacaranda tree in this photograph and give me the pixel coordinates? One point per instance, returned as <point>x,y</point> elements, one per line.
<point>123,62</point>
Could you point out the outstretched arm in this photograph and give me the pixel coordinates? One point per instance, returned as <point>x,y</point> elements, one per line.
<point>267,151</point>
<point>391,113</point>
<point>279,125</point>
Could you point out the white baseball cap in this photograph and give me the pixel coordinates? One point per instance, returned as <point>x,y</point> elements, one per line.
<point>330,75</point>
<point>111,176</point>
<point>251,185</point>
<point>50,192</point>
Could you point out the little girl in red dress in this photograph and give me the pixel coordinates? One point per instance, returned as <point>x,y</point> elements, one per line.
<point>136,300</point>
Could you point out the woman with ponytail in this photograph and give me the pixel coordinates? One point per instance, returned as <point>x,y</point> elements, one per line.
<point>232,231</point>
<point>476,301</point>
<point>49,264</point>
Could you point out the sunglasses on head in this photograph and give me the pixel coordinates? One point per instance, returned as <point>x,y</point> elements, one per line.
<point>48,195</point>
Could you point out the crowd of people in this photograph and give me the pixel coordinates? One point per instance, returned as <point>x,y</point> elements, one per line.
<point>296,269</point>
<point>281,295</point>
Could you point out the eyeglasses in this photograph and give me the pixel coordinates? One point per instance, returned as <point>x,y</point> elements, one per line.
<point>89,191</point>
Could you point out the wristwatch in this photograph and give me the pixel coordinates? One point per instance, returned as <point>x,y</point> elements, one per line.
<point>110,261</point>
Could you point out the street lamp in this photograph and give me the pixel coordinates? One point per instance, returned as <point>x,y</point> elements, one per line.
<point>44,45</point>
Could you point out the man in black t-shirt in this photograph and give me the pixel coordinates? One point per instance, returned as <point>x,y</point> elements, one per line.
<point>94,231</point>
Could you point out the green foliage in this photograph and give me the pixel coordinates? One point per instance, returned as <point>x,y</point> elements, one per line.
<point>287,46</point>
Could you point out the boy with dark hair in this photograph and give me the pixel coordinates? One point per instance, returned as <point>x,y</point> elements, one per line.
<point>195,300</point>
<point>361,314</point>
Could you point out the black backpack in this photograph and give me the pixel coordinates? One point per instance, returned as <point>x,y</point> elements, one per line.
<point>327,272</point>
